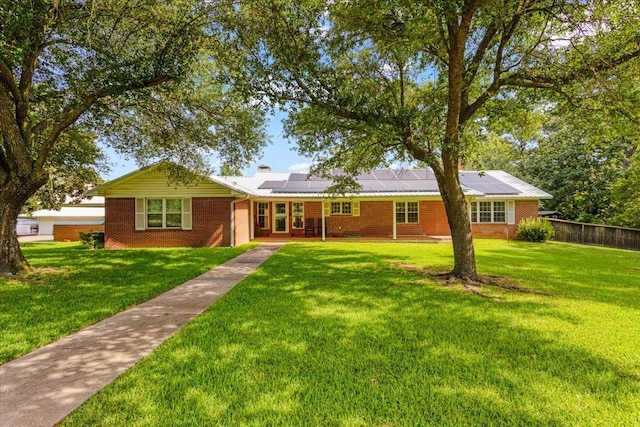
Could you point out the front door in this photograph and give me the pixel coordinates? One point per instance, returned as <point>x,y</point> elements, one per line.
<point>280,217</point>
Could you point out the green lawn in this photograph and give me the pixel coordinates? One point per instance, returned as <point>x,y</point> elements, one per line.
<point>337,334</point>
<point>74,287</point>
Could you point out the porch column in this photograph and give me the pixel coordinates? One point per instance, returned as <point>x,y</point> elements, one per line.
<point>252,221</point>
<point>393,213</point>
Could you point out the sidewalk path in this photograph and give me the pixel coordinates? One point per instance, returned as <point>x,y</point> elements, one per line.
<point>43,387</point>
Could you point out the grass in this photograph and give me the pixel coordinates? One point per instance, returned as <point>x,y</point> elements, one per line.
<point>336,334</point>
<point>74,287</point>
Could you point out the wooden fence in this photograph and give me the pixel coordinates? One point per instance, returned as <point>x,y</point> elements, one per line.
<point>595,234</point>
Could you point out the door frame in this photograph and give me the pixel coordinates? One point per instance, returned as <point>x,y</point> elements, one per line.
<point>276,215</point>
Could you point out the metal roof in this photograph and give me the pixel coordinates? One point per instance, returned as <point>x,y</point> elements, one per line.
<point>383,183</point>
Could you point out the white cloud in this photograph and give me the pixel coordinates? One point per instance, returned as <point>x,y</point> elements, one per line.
<point>300,167</point>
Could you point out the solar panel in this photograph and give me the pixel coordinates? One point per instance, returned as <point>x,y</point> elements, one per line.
<point>271,185</point>
<point>391,180</point>
<point>485,183</point>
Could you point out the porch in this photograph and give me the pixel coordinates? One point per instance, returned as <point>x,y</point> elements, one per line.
<point>355,238</point>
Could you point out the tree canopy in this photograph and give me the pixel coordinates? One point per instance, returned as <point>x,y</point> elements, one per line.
<point>371,82</point>
<point>142,76</point>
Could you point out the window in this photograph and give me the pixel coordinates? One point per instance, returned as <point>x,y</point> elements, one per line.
<point>263,215</point>
<point>297,212</point>
<point>164,213</point>
<point>488,212</point>
<point>407,213</point>
<point>340,208</point>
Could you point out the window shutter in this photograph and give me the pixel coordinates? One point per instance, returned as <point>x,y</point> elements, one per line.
<point>327,208</point>
<point>356,208</point>
<point>140,214</point>
<point>511,212</point>
<point>186,213</point>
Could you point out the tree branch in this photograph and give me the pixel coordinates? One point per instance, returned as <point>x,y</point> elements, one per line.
<point>7,78</point>
<point>67,118</point>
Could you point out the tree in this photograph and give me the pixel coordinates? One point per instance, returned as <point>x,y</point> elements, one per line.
<point>625,193</point>
<point>577,171</point>
<point>580,152</point>
<point>141,76</point>
<point>368,82</point>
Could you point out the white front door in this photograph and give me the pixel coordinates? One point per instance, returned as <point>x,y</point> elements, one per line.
<point>280,217</point>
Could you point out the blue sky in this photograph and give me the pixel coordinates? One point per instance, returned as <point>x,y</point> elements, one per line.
<point>280,155</point>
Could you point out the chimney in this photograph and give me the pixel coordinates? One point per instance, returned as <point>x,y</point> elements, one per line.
<point>264,168</point>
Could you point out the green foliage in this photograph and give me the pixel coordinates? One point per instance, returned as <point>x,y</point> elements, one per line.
<point>625,194</point>
<point>143,77</point>
<point>577,171</point>
<point>93,239</point>
<point>336,334</point>
<point>367,84</point>
<point>534,230</point>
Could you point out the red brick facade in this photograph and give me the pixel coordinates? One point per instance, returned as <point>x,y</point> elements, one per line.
<point>211,223</point>
<point>523,209</point>
<point>70,232</point>
<point>376,220</point>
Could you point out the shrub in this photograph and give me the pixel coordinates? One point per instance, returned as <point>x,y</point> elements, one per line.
<point>93,239</point>
<point>534,230</point>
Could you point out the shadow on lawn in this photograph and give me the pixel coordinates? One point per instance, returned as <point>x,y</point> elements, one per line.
<point>338,338</point>
<point>74,287</point>
<point>580,272</point>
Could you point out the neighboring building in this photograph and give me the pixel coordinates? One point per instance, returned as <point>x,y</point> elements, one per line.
<point>65,223</point>
<point>26,226</point>
<point>550,214</point>
<point>143,210</point>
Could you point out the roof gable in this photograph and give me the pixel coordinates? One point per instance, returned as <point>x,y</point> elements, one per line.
<point>154,181</point>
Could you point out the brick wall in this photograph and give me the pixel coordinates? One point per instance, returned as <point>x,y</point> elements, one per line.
<point>211,220</point>
<point>69,232</point>
<point>433,218</point>
<point>375,220</point>
<point>523,209</point>
<point>242,226</point>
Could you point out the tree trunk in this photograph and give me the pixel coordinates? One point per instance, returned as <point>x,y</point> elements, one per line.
<point>12,197</point>
<point>464,266</point>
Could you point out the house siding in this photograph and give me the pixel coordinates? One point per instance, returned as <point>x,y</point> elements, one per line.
<point>154,183</point>
<point>211,218</point>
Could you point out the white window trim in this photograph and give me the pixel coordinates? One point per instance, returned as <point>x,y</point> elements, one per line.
<point>342,210</point>
<point>294,215</point>
<point>406,212</point>
<point>508,214</point>
<point>141,218</point>
<point>266,215</point>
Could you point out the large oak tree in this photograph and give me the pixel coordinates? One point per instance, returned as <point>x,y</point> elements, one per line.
<point>141,75</point>
<point>370,82</point>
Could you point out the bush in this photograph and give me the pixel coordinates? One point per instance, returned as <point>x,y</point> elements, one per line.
<point>93,239</point>
<point>535,230</point>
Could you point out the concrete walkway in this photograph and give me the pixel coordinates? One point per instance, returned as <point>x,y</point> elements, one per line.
<point>43,387</point>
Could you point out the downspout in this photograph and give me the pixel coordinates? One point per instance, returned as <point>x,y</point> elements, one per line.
<point>324,225</point>
<point>232,228</point>
<point>393,211</point>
